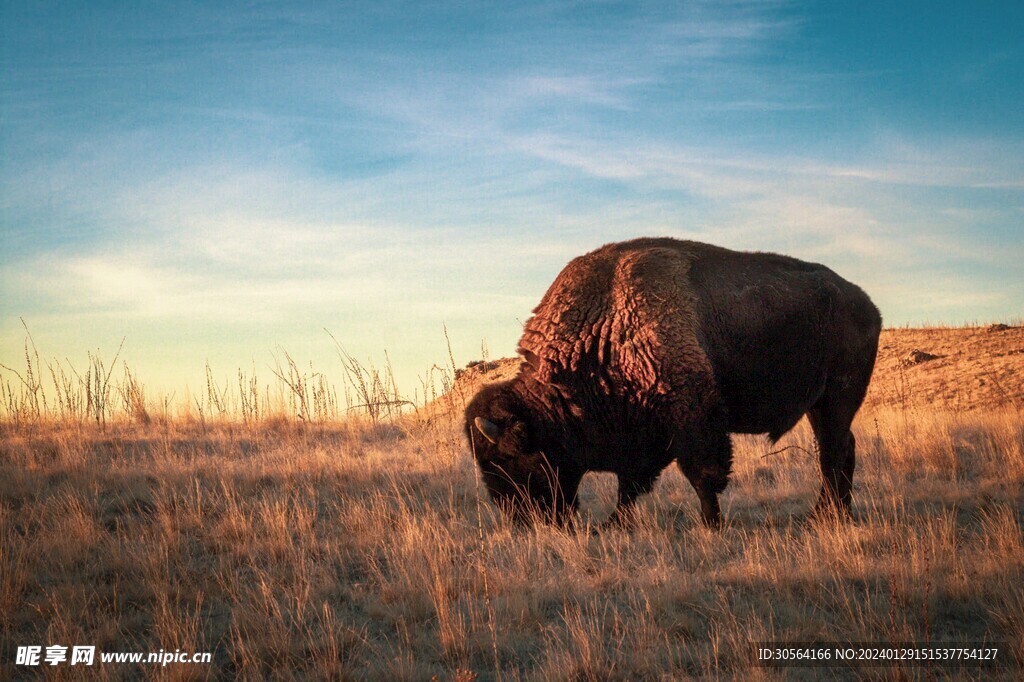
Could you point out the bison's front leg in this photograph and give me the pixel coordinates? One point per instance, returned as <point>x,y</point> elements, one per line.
<point>706,466</point>
<point>563,507</point>
<point>708,486</point>
<point>631,486</point>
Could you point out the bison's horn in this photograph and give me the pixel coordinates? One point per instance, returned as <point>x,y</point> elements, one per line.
<point>488,428</point>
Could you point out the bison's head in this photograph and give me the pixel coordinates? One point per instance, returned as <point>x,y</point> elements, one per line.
<point>519,476</point>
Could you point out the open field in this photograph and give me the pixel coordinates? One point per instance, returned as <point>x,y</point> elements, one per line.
<point>324,547</point>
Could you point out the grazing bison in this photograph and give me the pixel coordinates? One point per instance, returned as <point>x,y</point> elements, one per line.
<point>654,350</point>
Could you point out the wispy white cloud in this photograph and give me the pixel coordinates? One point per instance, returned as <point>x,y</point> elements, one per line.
<point>725,173</point>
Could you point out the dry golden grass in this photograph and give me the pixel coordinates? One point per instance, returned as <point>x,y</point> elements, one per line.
<point>974,368</point>
<point>350,548</point>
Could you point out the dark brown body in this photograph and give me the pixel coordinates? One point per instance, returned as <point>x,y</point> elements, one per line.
<point>654,350</point>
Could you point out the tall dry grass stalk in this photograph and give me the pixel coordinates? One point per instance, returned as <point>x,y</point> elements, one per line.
<point>296,395</point>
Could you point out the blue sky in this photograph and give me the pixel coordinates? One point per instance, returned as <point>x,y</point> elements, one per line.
<point>218,180</point>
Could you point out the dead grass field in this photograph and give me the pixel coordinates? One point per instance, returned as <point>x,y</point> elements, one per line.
<point>330,548</point>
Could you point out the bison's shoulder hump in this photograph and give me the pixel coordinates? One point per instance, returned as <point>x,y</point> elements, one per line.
<point>627,314</point>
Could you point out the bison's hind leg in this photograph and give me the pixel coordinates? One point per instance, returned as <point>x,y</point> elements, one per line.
<point>830,419</point>
<point>707,463</point>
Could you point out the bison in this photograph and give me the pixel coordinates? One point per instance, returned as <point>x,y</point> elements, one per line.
<point>653,350</point>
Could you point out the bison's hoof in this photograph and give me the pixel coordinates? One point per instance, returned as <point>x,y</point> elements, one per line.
<point>713,524</point>
<point>619,520</point>
<point>828,510</point>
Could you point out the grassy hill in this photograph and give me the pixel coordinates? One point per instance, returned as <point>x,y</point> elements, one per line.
<point>959,368</point>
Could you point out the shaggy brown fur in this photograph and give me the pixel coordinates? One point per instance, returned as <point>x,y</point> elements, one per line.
<point>653,350</point>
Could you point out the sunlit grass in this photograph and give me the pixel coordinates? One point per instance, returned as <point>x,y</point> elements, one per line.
<point>355,545</point>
